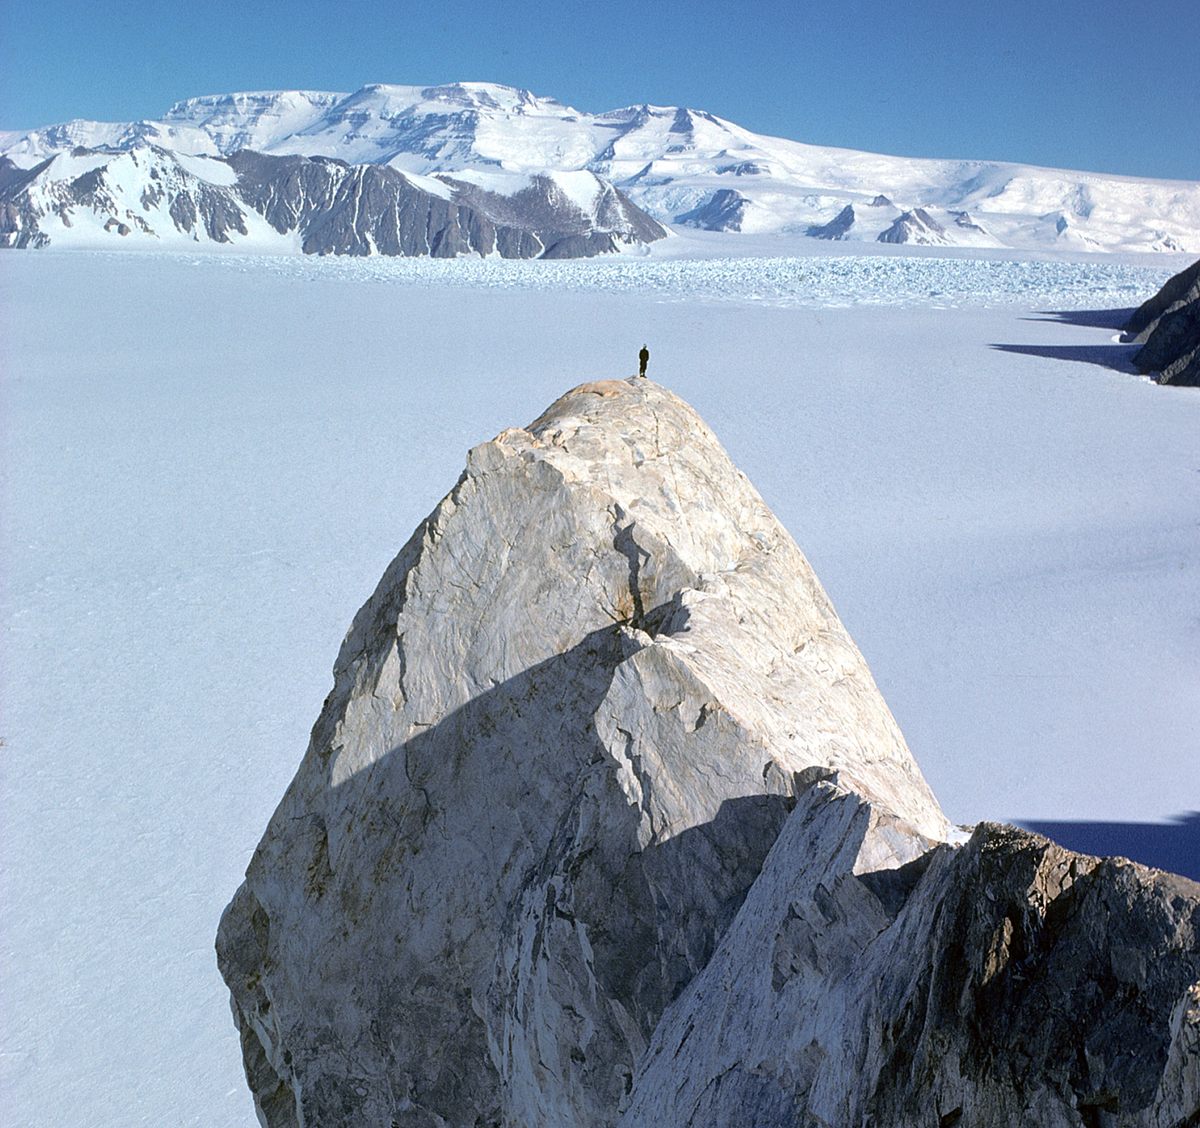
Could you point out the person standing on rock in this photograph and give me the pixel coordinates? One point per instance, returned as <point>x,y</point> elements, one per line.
<point>643,360</point>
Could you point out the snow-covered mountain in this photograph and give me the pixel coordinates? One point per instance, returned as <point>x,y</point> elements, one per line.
<point>680,165</point>
<point>318,205</point>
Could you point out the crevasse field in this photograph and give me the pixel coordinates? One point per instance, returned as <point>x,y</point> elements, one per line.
<point>208,462</point>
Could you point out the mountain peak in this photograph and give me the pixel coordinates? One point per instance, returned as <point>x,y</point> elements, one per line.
<point>250,102</point>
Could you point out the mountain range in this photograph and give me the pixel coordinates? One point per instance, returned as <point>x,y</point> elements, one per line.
<point>488,169</point>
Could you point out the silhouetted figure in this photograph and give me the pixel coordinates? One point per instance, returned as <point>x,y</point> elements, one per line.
<point>643,360</point>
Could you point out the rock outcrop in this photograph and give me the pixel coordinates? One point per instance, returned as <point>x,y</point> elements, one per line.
<point>605,821</point>
<point>1006,982</point>
<point>916,226</point>
<point>836,228</point>
<point>1167,326</point>
<point>724,210</point>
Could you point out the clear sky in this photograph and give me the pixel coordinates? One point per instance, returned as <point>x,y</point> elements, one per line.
<point>1103,85</point>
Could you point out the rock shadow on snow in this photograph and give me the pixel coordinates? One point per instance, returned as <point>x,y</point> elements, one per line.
<point>1173,847</point>
<point>1114,356</point>
<point>1085,318</point>
<point>1119,358</point>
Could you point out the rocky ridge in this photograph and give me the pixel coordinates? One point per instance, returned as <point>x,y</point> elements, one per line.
<point>1167,326</point>
<point>605,821</point>
<point>324,205</point>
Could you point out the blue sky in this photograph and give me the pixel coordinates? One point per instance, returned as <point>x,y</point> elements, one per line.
<point>1105,85</point>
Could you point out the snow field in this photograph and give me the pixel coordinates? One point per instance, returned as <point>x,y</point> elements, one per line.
<point>209,461</point>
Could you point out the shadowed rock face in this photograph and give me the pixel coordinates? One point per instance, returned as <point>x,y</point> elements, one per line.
<point>605,821</point>
<point>366,209</point>
<point>18,220</point>
<point>724,210</point>
<point>1176,291</point>
<point>836,228</point>
<point>1168,328</point>
<point>1005,982</point>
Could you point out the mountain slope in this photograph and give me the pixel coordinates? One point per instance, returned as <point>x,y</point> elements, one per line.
<point>678,164</point>
<point>153,196</point>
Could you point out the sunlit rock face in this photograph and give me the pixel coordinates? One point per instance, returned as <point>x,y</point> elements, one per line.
<point>563,735</point>
<point>603,785</point>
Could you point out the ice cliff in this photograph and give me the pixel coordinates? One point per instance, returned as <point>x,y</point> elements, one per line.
<point>605,821</point>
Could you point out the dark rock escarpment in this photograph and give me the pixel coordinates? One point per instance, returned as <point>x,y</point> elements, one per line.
<point>1003,982</point>
<point>836,228</point>
<point>724,210</point>
<point>347,209</point>
<point>605,822</point>
<point>1168,328</point>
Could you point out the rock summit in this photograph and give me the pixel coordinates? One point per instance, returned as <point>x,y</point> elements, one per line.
<point>605,822</point>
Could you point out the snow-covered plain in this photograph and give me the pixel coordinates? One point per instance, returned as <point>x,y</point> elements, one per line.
<point>209,460</point>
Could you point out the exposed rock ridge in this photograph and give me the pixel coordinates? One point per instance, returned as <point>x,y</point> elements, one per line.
<point>836,228</point>
<point>916,226</point>
<point>1006,982</point>
<point>1168,328</point>
<point>604,821</point>
<point>723,210</point>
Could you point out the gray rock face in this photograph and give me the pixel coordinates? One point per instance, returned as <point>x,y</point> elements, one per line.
<point>744,168</point>
<point>346,209</point>
<point>724,210</point>
<point>1168,325</point>
<point>18,219</point>
<point>1006,982</point>
<point>836,228</point>
<point>564,732</point>
<point>561,228</point>
<point>605,821</point>
<point>916,226</point>
<point>963,219</point>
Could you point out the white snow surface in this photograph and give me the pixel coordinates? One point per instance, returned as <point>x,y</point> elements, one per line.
<point>208,462</point>
<point>669,160</point>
